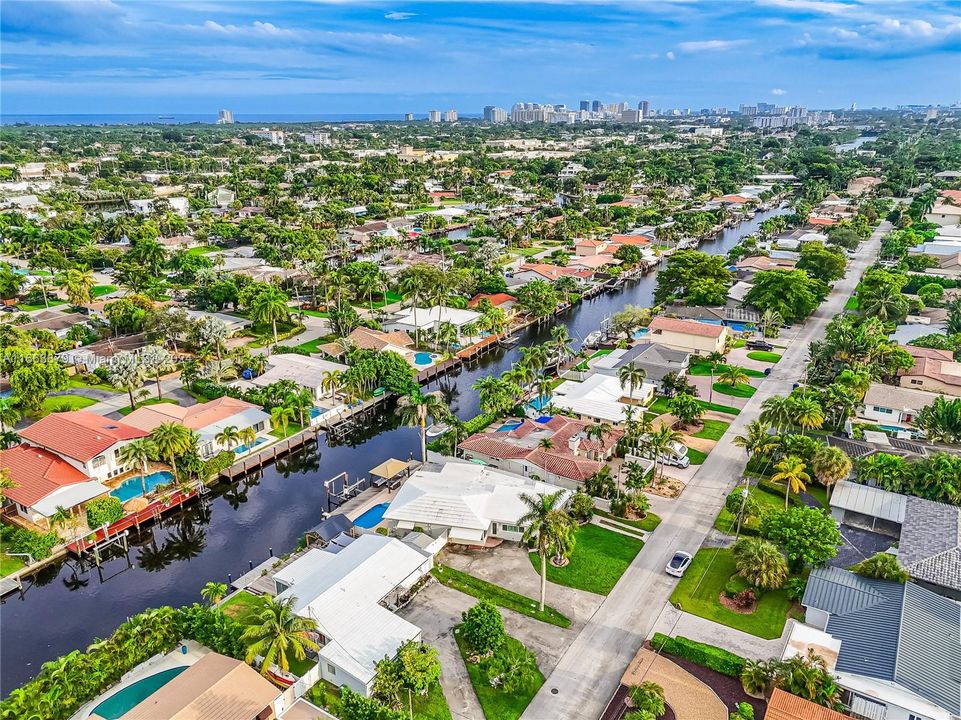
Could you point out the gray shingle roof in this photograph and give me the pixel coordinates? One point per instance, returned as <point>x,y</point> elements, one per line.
<point>930,547</point>
<point>899,633</point>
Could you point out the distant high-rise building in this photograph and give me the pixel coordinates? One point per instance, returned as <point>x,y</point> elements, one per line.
<point>596,106</point>
<point>225,117</point>
<point>317,138</point>
<point>450,116</point>
<point>645,107</point>
<point>530,112</point>
<point>585,104</point>
<point>433,115</point>
<point>931,113</point>
<point>493,114</point>
<point>409,117</point>
<point>749,109</point>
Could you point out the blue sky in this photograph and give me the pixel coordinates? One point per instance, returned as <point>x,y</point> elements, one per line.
<point>341,56</point>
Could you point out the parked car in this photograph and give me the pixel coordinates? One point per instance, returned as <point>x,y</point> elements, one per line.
<point>759,345</point>
<point>679,563</point>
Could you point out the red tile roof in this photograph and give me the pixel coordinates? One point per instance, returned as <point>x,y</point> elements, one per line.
<point>784,706</point>
<point>487,445</point>
<point>638,240</point>
<point>813,220</point>
<point>496,299</point>
<point>567,466</point>
<point>930,363</point>
<point>687,327</point>
<point>79,435</point>
<point>733,199</point>
<point>37,473</point>
<point>952,195</point>
<point>551,272</point>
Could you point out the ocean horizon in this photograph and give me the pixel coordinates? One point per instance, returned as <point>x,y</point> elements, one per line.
<point>199,118</point>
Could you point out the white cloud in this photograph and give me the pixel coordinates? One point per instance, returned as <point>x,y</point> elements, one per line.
<point>669,55</point>
<point>779,91</point>
<point>400,15</point>
<point>709,45</point>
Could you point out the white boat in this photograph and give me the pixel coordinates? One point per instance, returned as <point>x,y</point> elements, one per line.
<point>593,339</point>
<point>437,429</point>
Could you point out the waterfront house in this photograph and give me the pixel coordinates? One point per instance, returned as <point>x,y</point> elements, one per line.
<point>417,320</point>
<point>934,370</point>
<point>215,687</point>
<point>89,442</point>
<point>655,360</point>
<point>43,482</point>
<point>557,450</point>
<point>207,419</point>
<point>502,300</point>
<point>894,406</point>
<point>472,504</point>
<point>347,593</point>
<point>749,266</point>
<point>600,398</point>
<point>307,372</point>
<point>895,648</point>
<point>550,273</point>
<point>690,336</point>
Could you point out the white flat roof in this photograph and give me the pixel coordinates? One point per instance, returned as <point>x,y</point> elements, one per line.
<point>305,371</point>
<point>69,496</point>
<point>599,396</point>
<point>871,501</point>
<point>428,317</point>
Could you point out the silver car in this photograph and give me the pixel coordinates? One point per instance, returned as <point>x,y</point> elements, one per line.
<point>679,563</point>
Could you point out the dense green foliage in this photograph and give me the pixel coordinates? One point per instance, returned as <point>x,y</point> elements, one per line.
<point>715,658</point>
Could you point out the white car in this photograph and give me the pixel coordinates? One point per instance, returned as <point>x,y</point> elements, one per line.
<point>678,563</point>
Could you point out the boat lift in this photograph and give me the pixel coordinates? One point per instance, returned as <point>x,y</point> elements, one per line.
<point>347,490</point>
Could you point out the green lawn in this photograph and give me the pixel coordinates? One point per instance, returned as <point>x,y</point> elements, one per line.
<point>648,523</point>
<point>243,606</point>
<point>819,493</point>
<point>264,334</point>
<point>599,559</point>
<point>75,382</point>
<point>202,250</point>
<point>727,409</point>
<point>496,703</point>
<point>41,306</point>
<point>712,430</point>
<point>726,522</point>
<point>741,390</point>
<point>292,429</point>
<point>62,403</point>
<point>702,584</point>
<point>702,369</point>
<point>101,290</point>
<point>852,304</point>
<point>315,313</point>
<point>659,406</point>
<point>432,706</point>
<point>9,564</point>
<point>151,401</point>
<point>312,345</point>
<point>500,596</point>
<point>696,456</point>
<point>764,356</point>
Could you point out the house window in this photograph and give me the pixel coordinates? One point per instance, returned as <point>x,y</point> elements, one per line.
<point>331,669</point>
<point>886,411</point>
<point>99,461</point>
<point>917,382</point>
<point>512,528</point>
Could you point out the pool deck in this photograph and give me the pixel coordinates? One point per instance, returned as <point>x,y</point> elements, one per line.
<point>158,663</point>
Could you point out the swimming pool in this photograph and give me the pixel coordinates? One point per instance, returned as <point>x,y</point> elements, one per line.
<point>372,516</point>
<point>241,449</point>
<point>423,358</point>
<point>130,489</point>
<point>539,403</point>
<point>640,333</point>
<point>507,427</point>
<point>129,697</point>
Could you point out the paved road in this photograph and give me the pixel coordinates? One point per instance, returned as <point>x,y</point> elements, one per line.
<point>588,674</point>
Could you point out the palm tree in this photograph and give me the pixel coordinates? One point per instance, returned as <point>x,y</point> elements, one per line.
<point>229,437</point>
<point>301,401</point>
<point>887,303</point>
<point>544,521</point>
<point>331,381</point>
<point>830,466</point>
<point>78,285</point>
<point>247,437</point>
<point>635,475</point>
<point>213,592</point>
<point>791,471</point>
<point>771,322</point>
<point>632,377</point>
<point>598,431</point>
<point>278,632</point>
<point>757,441</point>
<point>806,413</point>
<point>760,562</point>
<point>270,305</point>
<point>172,440</point>
<point>155,360</point>
<point>416,408</point>
<point>139,452</point>
<point>543,385</point>
<point>733,375</point>
<point>560,343</point>
<point>280,417</point>
<point>776,411</point>
<point>127,372</point>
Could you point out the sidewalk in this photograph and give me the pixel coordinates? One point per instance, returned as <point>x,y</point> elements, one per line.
<point>673,622</point>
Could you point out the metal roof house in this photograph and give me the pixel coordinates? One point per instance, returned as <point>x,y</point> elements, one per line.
<point>868,507</point>
<point>656,360</point>
<point>930,547</point>
<point>900,645</point>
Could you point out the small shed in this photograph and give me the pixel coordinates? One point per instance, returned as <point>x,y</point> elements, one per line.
<point>868,507</point>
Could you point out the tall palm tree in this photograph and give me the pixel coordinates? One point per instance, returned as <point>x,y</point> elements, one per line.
<point>887,303</point>
<point>156,360</point>
<point>771,322</point>
<point>830,466</point>
<point>806,413</point>
<point>632,377</point>
<point>277,633</point>
<point>659,443</point>
<point>139,452</point>
<point>331,381</point>
<point>247,437</point>
<point>172,440</point>
<point>301,400</point>
<point>560,343</point>
<point>280,417</point>
<point>791,472</point>
<point>544,521</point>
<point>416,408</point>
<point>229,437</point>
<point>78,285</point>
<point>776,411</point>
<point>127,372</point>
<point>269,306</point>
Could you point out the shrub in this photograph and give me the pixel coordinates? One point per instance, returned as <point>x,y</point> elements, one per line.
<point>744,599</point>
<point>581,507</point>
<point>483,628</point>
<point>476,424</point>
<point>103,511</point>
<point>715,658</point>
<point>357,707</point>
<point>218,463</point>
<point>794,588</point>
<point>757,676</point>
<point>734,585</point>
<point>743,711</point>
<point>212,627</point>
<point>648,697</point>
<point>37,545</point>
<point>881,566</point>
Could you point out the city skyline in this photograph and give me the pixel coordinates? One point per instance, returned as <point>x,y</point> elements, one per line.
<point>329,57</point>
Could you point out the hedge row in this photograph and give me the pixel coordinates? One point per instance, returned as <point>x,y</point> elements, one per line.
<point>714,658</point>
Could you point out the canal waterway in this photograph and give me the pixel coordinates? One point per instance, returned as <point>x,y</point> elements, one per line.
<point>66,606</point>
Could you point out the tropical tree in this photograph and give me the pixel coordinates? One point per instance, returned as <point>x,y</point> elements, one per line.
<point>78,285</point>
<point>791,472</point>
<point>658,444</point>
<point>6,483</point>
<point>155,361</point>
<point>228,437</point>
<point>830,465</point>
<point>280,417</point>
<point>277,633</point>
<point>213,592</point>
<point>270,306</point>
<point>648,697</point>
<point>631,376</point>
<point>172,440</point>
<point>777,411</point>
<point>881,566</point>
<point>686,409</point>
<point>757,441</point>
<point>415,409</point>
<point>771,322</point>
<point>806,413</point>
<point>545,522</point>
<point>139,452</point>
<point>9,414</point>
<point>760,562</point>
<point>733,375</point>
<point>127,373</point>
<point>331,381</point>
